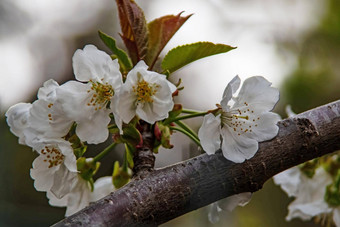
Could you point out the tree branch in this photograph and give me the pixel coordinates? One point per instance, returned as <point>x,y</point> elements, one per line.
<point>175,190</point>
<point>144,159</point>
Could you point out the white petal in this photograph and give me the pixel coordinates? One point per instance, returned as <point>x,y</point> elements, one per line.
<point>93,64</point>
<point>258,91</point>
<point>231,202</point>
<point>94,131</point>
<point>132,77</point>
<point>141,65</point>
<point>263,128</point>
<point>75,200</point>
<point>306,211</point>
<point>74,98</point>
<point>17,119</point>
<point>114,109</point>
<point>157,110</point>
<point>54,201</point>
<point>47,92</point>
<point>63,181</point>
<point>102,187</point>
<point>70,159</point>
<point>79,198</point>
<point>231,88</point>
<point>336,216</point>
<point>213,213</point>
<point>114,77</point>
<point>42,175</point>
<point>236,148</point>
<point>289,180</point>
<point>49,120</point>
<point>172,87</point>
<point>209,133</point>
<point>125,106</point>
<point>146,113</point>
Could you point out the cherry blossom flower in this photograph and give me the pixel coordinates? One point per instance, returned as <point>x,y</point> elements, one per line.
<point>309,194</point>
<point>146,94</point>
<point>244,123</point>
<point>44,118</point>
<point>55,169</point>
<point>80,195</point>
<point>87,103</point>
<point>76,199</point>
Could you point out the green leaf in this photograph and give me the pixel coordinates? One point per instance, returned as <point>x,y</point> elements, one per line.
<point>122,57</point>
<point>160,32</point>
<point>183,55</point>
<point>87,169</point>
<point>134,29</point>
<point>119,176</point>
<point>128,156</point>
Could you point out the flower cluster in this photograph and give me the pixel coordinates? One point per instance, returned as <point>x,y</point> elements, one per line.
<point>66,117</point>
<point>315,185</point>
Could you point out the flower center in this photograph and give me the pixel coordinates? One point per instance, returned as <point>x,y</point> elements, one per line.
<point>52,156</point>
<point>241,120</point>
<point>145,91</point>
<point>102,94</point>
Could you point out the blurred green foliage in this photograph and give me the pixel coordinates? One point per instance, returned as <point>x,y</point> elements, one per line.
<point>316,80</point>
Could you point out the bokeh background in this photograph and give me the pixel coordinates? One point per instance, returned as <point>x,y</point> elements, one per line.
<point>295,44</point>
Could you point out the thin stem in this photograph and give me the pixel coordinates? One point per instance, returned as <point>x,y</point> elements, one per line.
<point>187,128</point>
<point>189,116</point>
<point>188,111</point>
<point>111,126</point>
<point>187,134</point>
<point>104,152</point>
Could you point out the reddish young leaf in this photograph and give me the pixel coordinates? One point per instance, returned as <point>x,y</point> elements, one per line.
<point>160,32</point>
<point>134,29</point>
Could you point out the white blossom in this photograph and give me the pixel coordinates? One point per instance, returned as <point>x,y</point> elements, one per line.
<point>146,94</point>
<point>80,195</point>
<point>87,103</point>
<point>55,169</point>
<point>227,205</point>
<point>77,198</point>
<point>244,123</point>
<point>308,192</point>
<point>44,118</point>
<point>102,187</point>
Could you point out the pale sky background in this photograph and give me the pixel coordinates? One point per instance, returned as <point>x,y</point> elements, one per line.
<point>253,26</point>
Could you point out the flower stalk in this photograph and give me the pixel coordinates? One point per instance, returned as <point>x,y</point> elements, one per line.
<point>104,152</point>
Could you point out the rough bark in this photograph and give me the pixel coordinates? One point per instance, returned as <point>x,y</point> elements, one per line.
<point>175,190</point>
<point>144,159</point>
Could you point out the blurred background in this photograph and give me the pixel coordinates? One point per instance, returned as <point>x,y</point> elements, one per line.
<point>295,44</point>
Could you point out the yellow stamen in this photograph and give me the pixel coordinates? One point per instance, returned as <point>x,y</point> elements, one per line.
<point>145,91</point>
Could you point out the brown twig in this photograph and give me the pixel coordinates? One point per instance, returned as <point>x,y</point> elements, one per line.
<point>144,159</point>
